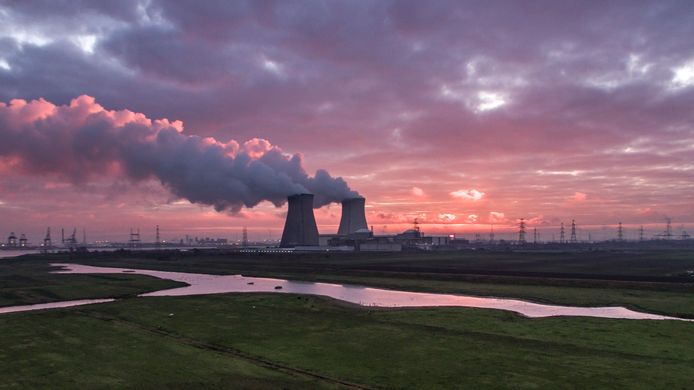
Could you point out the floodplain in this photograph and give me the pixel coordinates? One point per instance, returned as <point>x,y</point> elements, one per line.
<point>262,340</point>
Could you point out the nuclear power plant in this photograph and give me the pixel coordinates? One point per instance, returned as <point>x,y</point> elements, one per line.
<point>353,217</point>
<point>300,227</point>
<point>301,232</point>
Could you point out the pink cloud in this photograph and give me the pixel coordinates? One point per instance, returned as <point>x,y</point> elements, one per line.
<point>497,217</point>
<point>579,197</point>
<point>418,192</point>
<point>537,221</point>
<point>83,141</point>
<point>471,194</point>
<point>649,212</point>
<point>447,217</point>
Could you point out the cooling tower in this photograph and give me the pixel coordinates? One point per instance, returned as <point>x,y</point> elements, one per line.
<point>353,216</point>
<point>300,227</point>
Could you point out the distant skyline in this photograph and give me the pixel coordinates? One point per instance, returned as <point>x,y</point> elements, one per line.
<point>459,114</point>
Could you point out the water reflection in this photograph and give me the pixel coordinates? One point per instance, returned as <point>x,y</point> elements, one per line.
<point>365,296</point>
<point>52,305</point>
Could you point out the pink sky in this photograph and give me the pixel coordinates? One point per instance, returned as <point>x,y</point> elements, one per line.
<point>458,115</point>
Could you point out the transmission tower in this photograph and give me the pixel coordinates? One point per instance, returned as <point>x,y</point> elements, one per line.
<point>573,232</point>
<point>521,232</point>
<point>244,240</point>
<point>47,242</point>
<point>561,234</point>
<point>71,242</point>
<point>134,238</point>
<point>620,232</point>
<point>668,229</point>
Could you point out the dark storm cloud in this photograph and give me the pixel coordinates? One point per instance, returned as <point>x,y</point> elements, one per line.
<point>378,87</point>
<point>166,54</point>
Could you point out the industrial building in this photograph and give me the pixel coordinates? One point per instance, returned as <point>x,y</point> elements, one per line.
<point>301,232</point>
<point>12,240</point>
<point>300,226</point>
<point>353,218</point>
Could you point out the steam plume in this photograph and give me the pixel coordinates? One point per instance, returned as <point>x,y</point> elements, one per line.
<point>83,140</point>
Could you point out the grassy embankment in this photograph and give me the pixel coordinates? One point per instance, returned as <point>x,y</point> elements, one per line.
<point>261,340</point>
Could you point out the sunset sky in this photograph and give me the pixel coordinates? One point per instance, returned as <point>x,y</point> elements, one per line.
<point>459,114</point>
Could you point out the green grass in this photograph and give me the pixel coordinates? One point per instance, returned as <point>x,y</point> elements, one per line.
<point>67,350</point>
<point>606,265</point>
<point>138,343</point>
<point>289,341</point>
<point>24,282</point>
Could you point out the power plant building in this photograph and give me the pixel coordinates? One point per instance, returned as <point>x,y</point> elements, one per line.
<point>300,227</point>
<point>301,232</point>
<point>353,218</point>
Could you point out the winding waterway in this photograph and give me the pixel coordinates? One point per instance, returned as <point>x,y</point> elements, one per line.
<point>198,284</point>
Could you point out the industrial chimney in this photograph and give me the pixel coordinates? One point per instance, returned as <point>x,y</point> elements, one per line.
<point>353,216</point>
<point>300,227</point>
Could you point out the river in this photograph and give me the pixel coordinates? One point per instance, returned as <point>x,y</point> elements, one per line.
<point>198,284</point>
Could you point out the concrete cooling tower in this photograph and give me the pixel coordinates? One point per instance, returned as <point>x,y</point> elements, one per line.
<point>300,227</point>
<point>353,216</point>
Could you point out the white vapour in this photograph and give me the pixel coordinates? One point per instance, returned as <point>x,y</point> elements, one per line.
<point>83,140</point>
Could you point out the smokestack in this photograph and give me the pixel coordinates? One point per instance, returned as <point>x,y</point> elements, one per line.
<point>353,216</point>
<point>300,227</point>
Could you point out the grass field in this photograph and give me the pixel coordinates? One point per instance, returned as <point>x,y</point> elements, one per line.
<point>228,340</point>
<point>29,281</point>
<point>654,266</point>
<point>290,341</point>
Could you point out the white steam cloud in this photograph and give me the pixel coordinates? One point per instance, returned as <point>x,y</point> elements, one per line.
<point>83,140</point>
